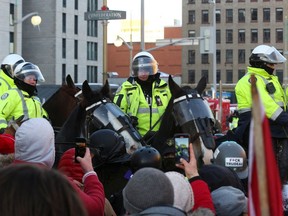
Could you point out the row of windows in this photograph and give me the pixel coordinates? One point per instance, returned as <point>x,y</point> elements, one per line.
<point>91,73</point>
<point>229,18</point>
<point>228,75</point>
<point>64,4</point>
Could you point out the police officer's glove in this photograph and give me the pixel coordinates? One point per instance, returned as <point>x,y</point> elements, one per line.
<point>134,120</point>
<point>2,130</point>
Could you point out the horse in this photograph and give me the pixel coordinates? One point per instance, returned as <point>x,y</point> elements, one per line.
<point>60,105</point>
<point>187,112</point>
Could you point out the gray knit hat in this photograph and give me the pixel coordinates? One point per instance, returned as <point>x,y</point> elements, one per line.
<point>148,187</point>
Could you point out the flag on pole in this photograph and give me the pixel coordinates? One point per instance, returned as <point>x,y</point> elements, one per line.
<point>264,187</point>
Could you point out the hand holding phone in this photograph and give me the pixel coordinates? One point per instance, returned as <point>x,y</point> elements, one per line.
<point>80,148</point>
<point>182,142</point>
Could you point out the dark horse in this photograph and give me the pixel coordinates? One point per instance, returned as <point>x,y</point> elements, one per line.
<point>187,112</point>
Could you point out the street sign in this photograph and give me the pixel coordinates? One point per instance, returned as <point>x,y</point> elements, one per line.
<point>104,15</point>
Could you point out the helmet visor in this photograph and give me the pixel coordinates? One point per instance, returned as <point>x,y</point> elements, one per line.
<point>273,56</point>
<point>28,71</point>
<point>144,65</point>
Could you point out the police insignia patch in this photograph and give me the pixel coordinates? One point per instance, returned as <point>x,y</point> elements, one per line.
<point>4,96</point>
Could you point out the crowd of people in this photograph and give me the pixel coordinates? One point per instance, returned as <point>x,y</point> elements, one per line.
<point>109,181</point>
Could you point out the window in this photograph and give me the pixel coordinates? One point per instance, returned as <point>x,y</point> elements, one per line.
<point>92,74</point>
<point>241,56</point>
<point>76,4</point>
<point>76,24</point>
<point>241,36</point>
<point>191,1</point>
<point>63,73</point>
<point>92,28</point>
<point>229,16</point>
<point>218,15</point>
<point>205,73</point>
<point>191,16</point>
<point>254,15</point>
<point>218,36</point>
<point>254,36</point>
<point>266,35</point>
<point>64,3</point>
<point>229,56</point>
<point>11,42</point>
<point>205,58</point>
<point>12,15</point>
<point>266,15</point>
<point>279,14</point>
<point>75,73</point>
<point>229,36</point>
<point>218,56</point>
<point>191,56</point>
<point>241,15</point>
<point>279,35</point>
<point>191,33</point>
<point>241,73</point>
<point>218,76</point>
<point>63,23</point>
<point>205,1</point>
<point>63,48</point>
<point>205,16</point>
<point>92,51</point>
<point>229,76</point>
<point>191,76</point>
<point>75,49</point>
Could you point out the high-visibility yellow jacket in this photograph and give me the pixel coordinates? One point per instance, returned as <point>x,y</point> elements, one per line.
<point>130,98</point>
<point>272,96</point>
<point>6,82</point>
<point>15,103</point>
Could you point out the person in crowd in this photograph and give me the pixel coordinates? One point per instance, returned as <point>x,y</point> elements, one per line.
<point>263,62</point>
<point>35,144</point>
<point>231,155</point>
<point>144,96</point>
<point>22,102</point>
<point>8,66</point>
<point>6,149</point>
<point>30,190</point>
<point>230,201</point>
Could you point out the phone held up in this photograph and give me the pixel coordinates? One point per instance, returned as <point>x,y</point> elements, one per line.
<point>80,148</point>
<point>182,141</point>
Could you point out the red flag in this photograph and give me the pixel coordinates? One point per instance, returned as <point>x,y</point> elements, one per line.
<point>265,197</point>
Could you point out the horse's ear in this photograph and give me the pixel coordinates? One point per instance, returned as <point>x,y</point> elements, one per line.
<point>201,85</point>
<point>86,89</point>
<point>69,81</point>
<point>174,87</point>
<point>106,89</point>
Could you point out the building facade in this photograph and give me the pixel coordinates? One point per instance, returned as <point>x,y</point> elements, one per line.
<point>240,25</point>
<point>64,43</point>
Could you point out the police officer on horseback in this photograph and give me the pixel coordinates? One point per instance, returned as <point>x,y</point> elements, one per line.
<point>263,61</point>
<point>22,102</point>
<point>144,96</point>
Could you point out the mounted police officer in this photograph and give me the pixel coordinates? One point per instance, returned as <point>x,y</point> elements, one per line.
<point>144,96</point>
<point>22,100</point>
<point>8,66</point>
<point>263,61</point>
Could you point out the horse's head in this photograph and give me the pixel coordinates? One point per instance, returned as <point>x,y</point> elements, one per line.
<point>193,115</point>
<point>103,113</point>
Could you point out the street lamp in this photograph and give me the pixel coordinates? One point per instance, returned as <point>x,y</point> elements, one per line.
<point>35,21</point>
<point>119,41</point>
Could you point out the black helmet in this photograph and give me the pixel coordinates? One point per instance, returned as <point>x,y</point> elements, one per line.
<point>145,156</point>
<point>230,154</point>
<point>108,147</point>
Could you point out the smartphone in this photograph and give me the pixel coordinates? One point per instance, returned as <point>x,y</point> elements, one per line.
<point>80,148</point>
<point>182,141</point>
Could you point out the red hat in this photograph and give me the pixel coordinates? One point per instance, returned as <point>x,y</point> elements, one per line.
<point>6,144</point>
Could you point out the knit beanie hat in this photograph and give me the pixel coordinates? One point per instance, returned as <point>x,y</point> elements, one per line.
<point>229,201</point>
<point>183,194</point>
<point>6,144</point>
<point>34,142</point>
<point>148,187</point>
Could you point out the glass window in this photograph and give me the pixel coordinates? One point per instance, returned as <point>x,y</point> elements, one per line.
<point>191,1</point>
<point>254,36</point>
<point>218,15</point>
<point>76,24</point>
<point>279,35</point>
<point>12,15</point>
<point>191,56</point>
<point>241,36</point>
<point>191,33</point>
<point>279,14</point>
<point>241,73</point>
<point>218,56</point>
<point>229,76</point>
<point>218,76</point>
<point>254,14</point>
<point>241,15</point>
<point>92,74</point>
<point>76,4</point>
<point>92,28</point>
<point>64,3</point>
<point>63,48</point>
<point>63,73</point>
<point>75,49</point>
<point>241,56</point>
<point>63,23</point>
<point>229,56</point>
<point>229,16</point>
<point>218,36</point>
<point>191,16</point>
<point>266,15</point>
<point>75,73</point>
<point>191,76</point>
<point>205,16</point>
<point>205,58</point>
<point>266,36</point>
<point>229,36</point>
<point>92,51</point>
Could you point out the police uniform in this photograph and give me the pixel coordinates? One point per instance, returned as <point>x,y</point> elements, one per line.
<point>15,103</point>
<point>131,99</point>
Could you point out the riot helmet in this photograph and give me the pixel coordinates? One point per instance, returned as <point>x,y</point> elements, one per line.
<point>26,69</point>
<point>108,147</point>
<point>10,62</point>
<point>231,155</point>
<point>144,62</point>
<point>145,156</point>
<point>263,55</point>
